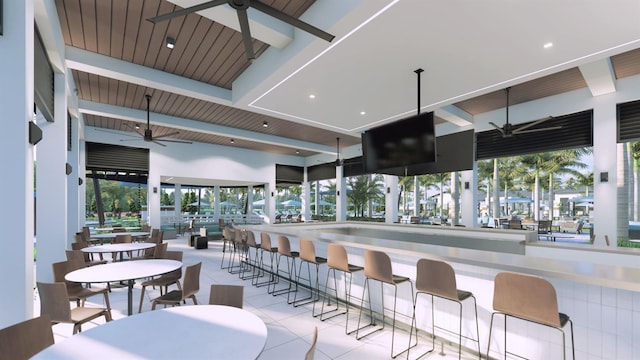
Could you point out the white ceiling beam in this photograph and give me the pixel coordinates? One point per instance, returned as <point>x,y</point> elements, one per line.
<point>140,116</point>
<point>599,76</point>
<point>263,27</point>
<point>454,115</point>
<point>97,64</point>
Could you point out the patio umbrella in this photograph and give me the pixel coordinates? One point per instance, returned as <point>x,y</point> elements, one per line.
<point>202,204</point>
<point>294,203</point>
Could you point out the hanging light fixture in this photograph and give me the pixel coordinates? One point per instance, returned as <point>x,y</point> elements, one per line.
<point>171,42</point>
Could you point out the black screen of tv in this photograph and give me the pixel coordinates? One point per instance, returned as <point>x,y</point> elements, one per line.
<point>403,143</point>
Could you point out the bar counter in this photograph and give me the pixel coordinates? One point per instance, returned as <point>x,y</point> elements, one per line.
<point>599,288</point>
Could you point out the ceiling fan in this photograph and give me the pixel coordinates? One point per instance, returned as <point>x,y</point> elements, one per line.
<point>508,130</point>
<point>147,135</point>
<point>241,7</point>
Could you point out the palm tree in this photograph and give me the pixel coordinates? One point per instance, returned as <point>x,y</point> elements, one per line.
<point>539,164</point>
<point>363,188</point>
<point>566,162</point>
<point>485,176</point>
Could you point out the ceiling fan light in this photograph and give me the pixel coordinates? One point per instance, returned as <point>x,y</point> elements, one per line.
<point>171,43</point>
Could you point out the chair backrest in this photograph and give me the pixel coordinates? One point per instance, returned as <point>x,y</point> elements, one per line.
<point>86,232</point>
<point>154,234</point>
<point>60,269</point>
<point>238,235</point>
<point>337,257</point>
<point>26,338</point>
<point>79,246</point>
<point>221,223</point>
<point>191,283</point>
<point>307,251</point>
<point>437,278</point>
<point>251,238</point>
<point>146,228</point>
<point>76,259</point>
<point>173,255</point>
<point>526,296</point>
<point>123,239</point>
<point>515,224</point>
<point>265,241</point>
<point>229,295</point>
<point>284,246</point>
<point>226,233</point>
<point>160,251</point>
<point>54,301</point>
<point>544,226</point>
<point>79,237</point>
<point>377,265</point>
<point>312,350</point>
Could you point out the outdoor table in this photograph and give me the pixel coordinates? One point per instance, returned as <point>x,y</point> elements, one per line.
<point>118,248</point>
<point>111,236</point>
<point>123,271</point>
<point>181,332</point>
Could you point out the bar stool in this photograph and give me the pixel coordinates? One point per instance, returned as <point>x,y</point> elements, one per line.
<point>530,298</point>
<point>227,238</point>
<point>265,246</point>
<point>438,279</point>
<point>239,252</point>
<point>337,260</point>
<point>284,250</point>
<point>377,266</point>
<point>250,262</point>
<point>308,256</point>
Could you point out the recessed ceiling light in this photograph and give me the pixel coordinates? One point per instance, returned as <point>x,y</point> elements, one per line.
<point>170,42</point>
<point>137,126</point>
<point>363,113</point>
<point>548,45</point>
<point>265,124</point>
<point>311,96</point>
<point>297,152</point>
<point>233,141</point>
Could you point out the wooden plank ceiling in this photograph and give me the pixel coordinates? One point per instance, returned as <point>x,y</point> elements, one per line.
<point>214,54</point>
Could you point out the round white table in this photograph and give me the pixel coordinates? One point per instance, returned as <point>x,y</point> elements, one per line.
<point>118,248</point>
<point>123,271</point>
<point>112,235</point>
<point>181,332</point>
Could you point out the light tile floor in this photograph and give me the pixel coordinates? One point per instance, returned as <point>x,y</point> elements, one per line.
<point>289,328</point>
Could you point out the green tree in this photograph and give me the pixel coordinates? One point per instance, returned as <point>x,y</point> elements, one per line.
<point>363,188</point>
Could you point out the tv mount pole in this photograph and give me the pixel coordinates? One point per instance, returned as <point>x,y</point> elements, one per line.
<point>418,73</point>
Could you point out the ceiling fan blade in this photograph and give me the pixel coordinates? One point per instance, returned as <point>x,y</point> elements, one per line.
<point>137,131</point>
<point>518,131</point>
<point>291,20</point>
<point>167,135</point>
<point>175,141</point>
<point>499,128</point>
<point>131,139</point>
<point>246,33</point>
<point>158,142</point>
<point>186,11</point>
<point>532,124</point>
<point>115,132</point>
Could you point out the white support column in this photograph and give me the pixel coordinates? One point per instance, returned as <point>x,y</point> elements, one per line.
<point>391,199</point>
<point>604,147</point>
<point>469,197</point>
<point>82,174</point>
<point>249,201</point>
<point>51,182</point>
<point>306,197</point>
<point>153,196</point>
<point>177,201</point>
<point>341,195</point>
<point>416,196</point>
<point>270,201</point>
<point>74,189</point>
<point>216,201</point>
<point>17,214</point>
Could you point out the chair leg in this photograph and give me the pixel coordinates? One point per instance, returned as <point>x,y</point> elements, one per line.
<point>141,298</point>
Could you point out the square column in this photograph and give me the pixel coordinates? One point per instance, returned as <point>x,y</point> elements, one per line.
<point>17,214</point>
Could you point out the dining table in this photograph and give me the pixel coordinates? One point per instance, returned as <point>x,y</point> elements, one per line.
<point>111,236</point>
<point>181,332</point>
<point>119,248</point>
<point>123,271</point>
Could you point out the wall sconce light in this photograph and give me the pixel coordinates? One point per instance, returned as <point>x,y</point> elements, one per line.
<point>170,42</point>
<point>338,192</point>
<point>604,177</point>
<point>466,185</point>
<point>388,190</point>
<point>155,190</point>
<point>272,194</point>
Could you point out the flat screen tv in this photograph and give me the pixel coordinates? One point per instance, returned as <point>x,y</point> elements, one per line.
<point>403,143</point>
